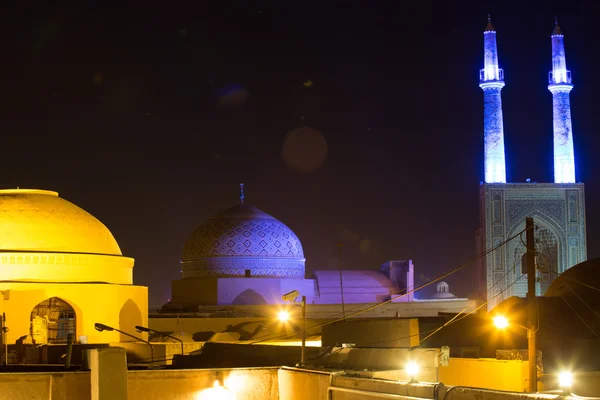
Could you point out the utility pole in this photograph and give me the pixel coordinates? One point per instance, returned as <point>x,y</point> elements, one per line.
<point>303,351</point>
<point>339,248</point>
<point>532,322</point>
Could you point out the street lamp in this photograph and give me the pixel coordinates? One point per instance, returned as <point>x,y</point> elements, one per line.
<point>565,381</point>
<point>502,322</point>
<point>283,316</point>
<point>291,297</point>
<point>101,327</point>
<point>148,330</point>
<point>412,369</point>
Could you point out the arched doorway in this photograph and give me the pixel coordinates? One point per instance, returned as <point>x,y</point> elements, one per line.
<point>52,320</point>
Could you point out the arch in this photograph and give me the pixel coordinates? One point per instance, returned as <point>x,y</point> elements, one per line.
<point>551,247</point>
<point>52,320</point>
<point>129,317</point>
<point>249,297</point>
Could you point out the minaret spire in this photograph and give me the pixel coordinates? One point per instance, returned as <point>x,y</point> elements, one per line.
<point>241,193</point>
<point>491,80</point>
<point>560,86</point>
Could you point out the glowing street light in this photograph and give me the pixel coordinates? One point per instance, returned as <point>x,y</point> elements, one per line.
<point>283,316</point>
<point>412,369</point>
<point>565,380</point>
<point>291,297</point>
<point>500,322</point>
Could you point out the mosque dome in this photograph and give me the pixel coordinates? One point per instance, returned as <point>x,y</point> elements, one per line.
<point>39,220</point>
<point>243,241</point>
<point>443,291</point>
<point>46,238</point>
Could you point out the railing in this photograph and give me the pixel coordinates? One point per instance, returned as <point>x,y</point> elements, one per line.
<point>483,78</point>
<point>553,82</point>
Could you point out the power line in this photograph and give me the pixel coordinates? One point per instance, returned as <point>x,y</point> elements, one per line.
<point>392,298</point>
<point>584,303</point>
<point>466,315</point>
<point>579,316</point>
<point>453,320</point>
<point>581,283</point>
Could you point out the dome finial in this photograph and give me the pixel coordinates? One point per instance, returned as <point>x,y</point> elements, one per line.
<point>489,27</point>
<point>242,193</point>
<point>556,30</point>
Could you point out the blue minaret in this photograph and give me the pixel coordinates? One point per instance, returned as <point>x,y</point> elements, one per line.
<point>560,86</point>
<point>491,80</point>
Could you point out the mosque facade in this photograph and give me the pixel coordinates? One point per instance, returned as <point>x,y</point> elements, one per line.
<point>62,271</point>
<point>558,208</point>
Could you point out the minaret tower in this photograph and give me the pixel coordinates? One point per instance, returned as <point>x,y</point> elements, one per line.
<point>560,86</point>
<point>491,80</point>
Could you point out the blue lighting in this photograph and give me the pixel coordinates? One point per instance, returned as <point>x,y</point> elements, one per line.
<point>560,86</point>
<point>491,81</point>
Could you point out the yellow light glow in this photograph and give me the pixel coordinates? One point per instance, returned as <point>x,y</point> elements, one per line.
<point>283,316</point>
<point>217,392</point>
<point>236,382</point>
<point>500,322</point>
<point>565,379</point>
<point>412,369</point>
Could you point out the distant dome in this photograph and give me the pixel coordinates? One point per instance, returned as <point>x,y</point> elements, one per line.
<point>243,241</point>
<point>39,220</point>
<point>443,291</point>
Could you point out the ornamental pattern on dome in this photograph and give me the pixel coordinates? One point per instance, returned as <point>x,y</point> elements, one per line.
<point>243,231</point>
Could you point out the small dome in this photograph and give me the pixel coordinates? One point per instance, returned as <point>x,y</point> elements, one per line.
<point>39,220</point>
<point>243,239</point>
<point>443,291</point>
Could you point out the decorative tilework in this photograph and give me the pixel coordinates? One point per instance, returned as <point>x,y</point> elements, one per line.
<point>245,227</point>
<point>558,211</point>
<point>254,241</point>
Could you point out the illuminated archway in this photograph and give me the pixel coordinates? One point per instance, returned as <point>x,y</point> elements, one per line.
<point>550,253</point>
<point>52,321</point>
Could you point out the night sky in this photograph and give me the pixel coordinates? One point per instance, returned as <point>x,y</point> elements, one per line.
<point>149,117</point>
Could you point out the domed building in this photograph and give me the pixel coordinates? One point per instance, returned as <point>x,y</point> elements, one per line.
<point>442,291</point>
<point>61,271</point>
<point>241,256</point>
<point>246,257</point>
<point>243,242</point>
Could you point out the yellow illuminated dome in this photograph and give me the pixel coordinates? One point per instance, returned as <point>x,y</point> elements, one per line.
<point>46,238</point>
<point>39,220</point>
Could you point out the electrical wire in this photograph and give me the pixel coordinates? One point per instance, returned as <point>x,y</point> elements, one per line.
<point>579,316</point>
<point>584,303</point>
<point>454,320</point>
<point>392,298</point>
<point>434,331</point>
<point>581,283</point>
<point>466,315</point>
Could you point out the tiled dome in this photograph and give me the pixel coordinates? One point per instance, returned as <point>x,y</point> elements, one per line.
<point>243,239</point>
